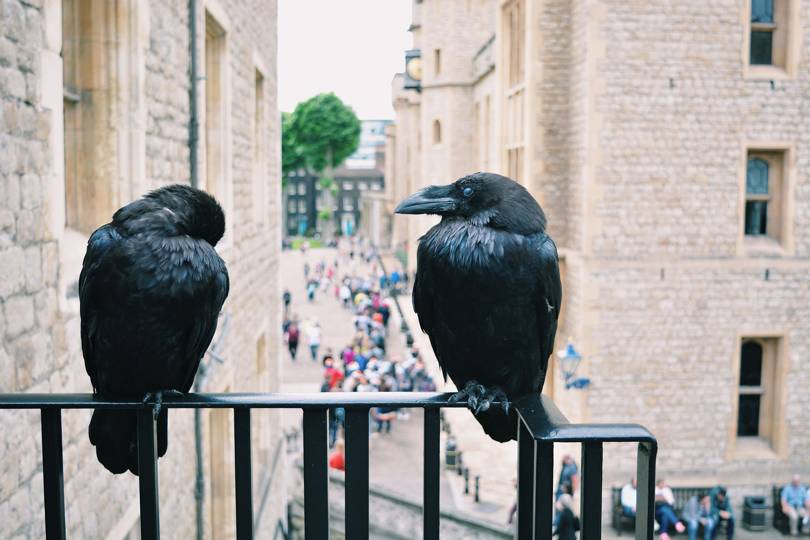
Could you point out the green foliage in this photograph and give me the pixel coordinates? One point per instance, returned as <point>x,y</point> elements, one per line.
<point>333,189</point>
<point>326,183</point>
<point>324,214</point>
<point>292,155</point>
<point>323,132</point>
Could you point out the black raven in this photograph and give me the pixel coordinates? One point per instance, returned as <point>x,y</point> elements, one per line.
<point>150,289</point>
<point>487,292</point>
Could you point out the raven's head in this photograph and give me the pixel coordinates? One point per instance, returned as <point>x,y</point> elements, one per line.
<point>484,199</point>
<point>197,212</point>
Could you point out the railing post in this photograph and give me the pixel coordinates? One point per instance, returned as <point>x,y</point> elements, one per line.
<point>356,493</point>
<point>316,481</point>
<point>543,490</point>
<point>430,481</point>
<point>525,488</point>
<point>52,473</point>
<point>147,474</point>
<point>244,481</point>
<point>645,475</point>
<point>591,491</point>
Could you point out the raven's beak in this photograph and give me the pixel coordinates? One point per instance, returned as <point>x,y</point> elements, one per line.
<point>431,200</point>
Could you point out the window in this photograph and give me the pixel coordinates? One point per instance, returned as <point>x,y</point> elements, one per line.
<point>375,186</point>
<point>348,204</point>
<point>437,61</point>
<point>291,206</point>
<point>260,136</point>
<point>103,109</point>
<point>437,132</point>
<point>765,196</point>
<point>347,186</point>
<point>769,44</point>
<point>291,223</point>
<point>514,20</point>
<point>759,387</point>
<point>291,189</point>
<point>362,186</point>
<point>302,188</point>
<point>217,140</point>
<point>302,207</point>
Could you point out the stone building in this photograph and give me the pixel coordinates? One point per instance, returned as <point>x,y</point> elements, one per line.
<point>669,145</point>
<point>94,111</point>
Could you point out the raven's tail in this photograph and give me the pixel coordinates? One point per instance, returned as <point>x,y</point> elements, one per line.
<point>115,436</point>
<point>500,426</point>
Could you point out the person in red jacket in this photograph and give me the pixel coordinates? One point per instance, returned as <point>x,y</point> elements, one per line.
<point>337,459</point>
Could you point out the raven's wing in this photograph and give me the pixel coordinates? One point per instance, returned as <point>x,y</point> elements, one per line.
<point>201,332</point>
<point>423,301</point>
<point>548,301</point>
<point>97,267</point>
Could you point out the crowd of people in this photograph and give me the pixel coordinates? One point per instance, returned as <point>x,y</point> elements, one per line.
<point>365,361</point>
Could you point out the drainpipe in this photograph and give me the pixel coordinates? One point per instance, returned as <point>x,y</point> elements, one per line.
<point>193,143</point>
<point>193,123</point>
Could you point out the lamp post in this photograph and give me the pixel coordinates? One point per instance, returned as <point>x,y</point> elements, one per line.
<point>569,362</point>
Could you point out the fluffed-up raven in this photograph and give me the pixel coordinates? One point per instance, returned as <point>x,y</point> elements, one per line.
<point>150,290</point>
<point>487,292</point>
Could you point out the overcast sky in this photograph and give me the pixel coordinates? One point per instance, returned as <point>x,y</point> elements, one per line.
<point>350,47</point>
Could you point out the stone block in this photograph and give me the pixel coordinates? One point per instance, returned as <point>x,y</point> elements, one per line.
<point>33,269</point>
<point>19,315</point>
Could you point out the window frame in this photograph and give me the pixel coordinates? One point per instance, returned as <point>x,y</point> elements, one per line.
<point>221,186</point>
<point>781,181</point>
<point>786,41</point>
<point>771,443</point>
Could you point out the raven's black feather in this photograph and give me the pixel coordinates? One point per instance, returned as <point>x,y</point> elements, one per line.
<point>151,289</point>
<point>487,288</point>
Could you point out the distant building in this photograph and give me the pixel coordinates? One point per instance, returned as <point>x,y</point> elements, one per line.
<point>362,172</point>
<point>674,174</point>
<point>300,203</point>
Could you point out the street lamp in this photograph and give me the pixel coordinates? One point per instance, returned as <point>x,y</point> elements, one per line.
<point>569,362</point>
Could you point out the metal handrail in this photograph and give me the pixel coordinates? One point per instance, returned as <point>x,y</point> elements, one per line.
<point>540,425</point>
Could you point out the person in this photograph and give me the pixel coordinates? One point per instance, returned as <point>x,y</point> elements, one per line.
<point>314,336</point>
<point>306,266</point>
<point>628,498</point>
<point>568,523</point>
<point>568,475</point>
<point>287,296</point>
<point>665,511</point>
<point>311,288</point>
<point>292,339</point>
<point>699,511</point>
<point>337,459</point>
<point>793,503</point>
<point>722,506</point>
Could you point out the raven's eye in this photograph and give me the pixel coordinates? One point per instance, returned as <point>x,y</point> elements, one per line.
<point>467,191</point>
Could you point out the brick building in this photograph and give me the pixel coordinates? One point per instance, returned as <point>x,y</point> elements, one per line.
<point>669,145</point>
<point>94,111</point>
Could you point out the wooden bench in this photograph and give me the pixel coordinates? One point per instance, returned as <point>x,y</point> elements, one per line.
<point>621,522</point>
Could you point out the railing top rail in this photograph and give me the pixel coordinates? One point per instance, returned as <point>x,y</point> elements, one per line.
<point>546,423</point>
<point>425,400</point>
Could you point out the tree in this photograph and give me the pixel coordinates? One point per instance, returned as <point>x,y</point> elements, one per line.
<point>318,136</point>
<point>292,157</point>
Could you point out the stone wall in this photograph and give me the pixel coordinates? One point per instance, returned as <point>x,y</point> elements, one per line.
<point>39,261</point>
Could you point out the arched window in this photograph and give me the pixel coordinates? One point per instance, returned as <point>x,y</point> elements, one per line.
<point>437,132</point>
<point>757,197</point>
<point>751,392</point>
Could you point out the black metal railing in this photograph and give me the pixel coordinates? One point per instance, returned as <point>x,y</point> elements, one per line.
<point>540,426</point>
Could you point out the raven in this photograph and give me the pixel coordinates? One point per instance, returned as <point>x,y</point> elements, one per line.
<point>150,291</point>
<point>487,292</point>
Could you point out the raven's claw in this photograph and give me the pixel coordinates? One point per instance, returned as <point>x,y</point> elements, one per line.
<point>157,398</point>
<point>479,398</point>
